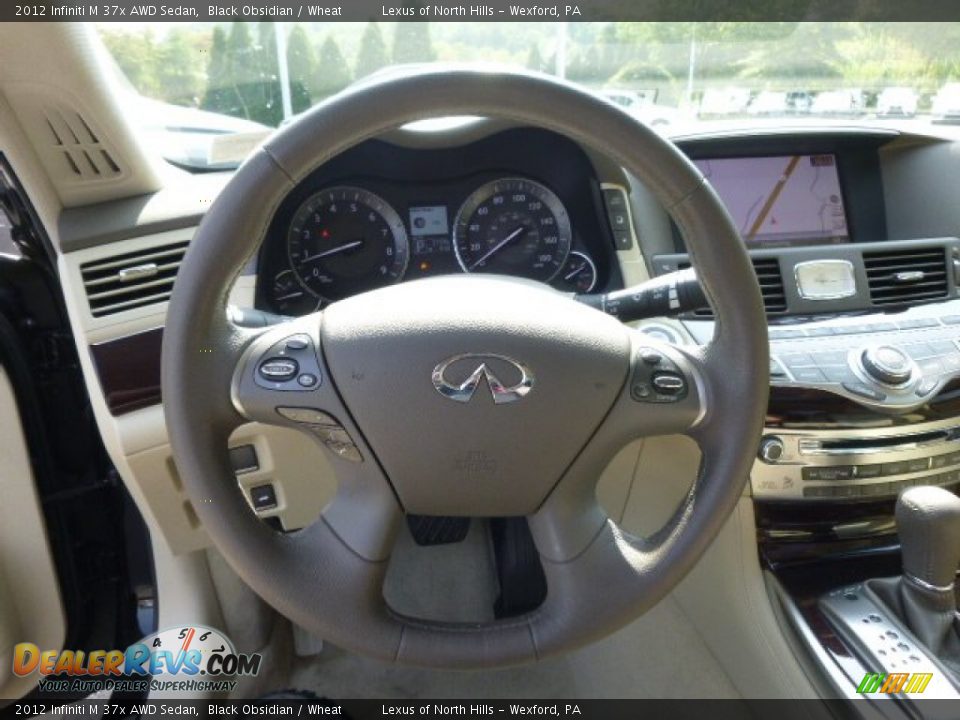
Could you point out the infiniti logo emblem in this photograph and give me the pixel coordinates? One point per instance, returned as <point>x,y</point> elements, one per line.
<point>464,391</point>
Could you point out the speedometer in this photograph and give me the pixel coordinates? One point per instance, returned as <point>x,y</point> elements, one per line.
<point>346,240</point>
<point>513,226</point>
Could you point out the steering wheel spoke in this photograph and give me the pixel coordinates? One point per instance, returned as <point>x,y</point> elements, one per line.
<point>281,380</point>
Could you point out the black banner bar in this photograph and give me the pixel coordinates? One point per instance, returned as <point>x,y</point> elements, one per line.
<point>478,709</point>
<point>481,10</point>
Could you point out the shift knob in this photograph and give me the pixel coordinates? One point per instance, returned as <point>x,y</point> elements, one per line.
<point>928,521</point>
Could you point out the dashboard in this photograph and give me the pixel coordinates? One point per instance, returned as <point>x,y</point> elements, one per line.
<point>521,202</point>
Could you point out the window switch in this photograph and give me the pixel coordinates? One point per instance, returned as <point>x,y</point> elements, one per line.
<point>264,497</point>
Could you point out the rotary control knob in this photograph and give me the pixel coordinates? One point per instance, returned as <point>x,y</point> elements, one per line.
<point>771,449</point>
<point>887,364</point>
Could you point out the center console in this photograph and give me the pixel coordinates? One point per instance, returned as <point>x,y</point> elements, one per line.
<point>864,412</point>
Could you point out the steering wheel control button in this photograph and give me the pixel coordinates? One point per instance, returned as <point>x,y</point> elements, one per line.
<point>348,451</point>
<point>263,497</point>
<point>290,365</point>
<point>669,383</point>
<point>652,357</point>
<point>278,369</point>
<point>298,342</point>
<point>887,364</point>
<point>640,391</point>
<point>771,450</point>
<point>656,382</point>
<point>326,428</point>
<point>864,390</point>
<point>308,416</point>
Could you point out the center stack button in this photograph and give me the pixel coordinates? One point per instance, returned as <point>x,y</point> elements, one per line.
<point>887,364</point>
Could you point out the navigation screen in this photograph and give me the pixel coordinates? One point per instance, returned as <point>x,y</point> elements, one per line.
<point>780,201</point>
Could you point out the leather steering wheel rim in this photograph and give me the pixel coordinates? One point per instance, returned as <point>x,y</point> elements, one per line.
<point>328,577</point>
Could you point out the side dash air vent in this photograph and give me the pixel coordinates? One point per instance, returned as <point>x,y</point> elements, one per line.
<point>771,286</point>
<point>906,276</point>
<point>84,155</point>
<point>132,280</point>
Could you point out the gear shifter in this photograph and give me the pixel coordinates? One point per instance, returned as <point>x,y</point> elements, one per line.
<point>928,521</point>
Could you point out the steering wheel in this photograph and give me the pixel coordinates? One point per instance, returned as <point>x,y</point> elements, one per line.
<point>467,395</point>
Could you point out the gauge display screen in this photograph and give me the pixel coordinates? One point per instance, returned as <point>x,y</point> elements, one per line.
<point>429,220</point>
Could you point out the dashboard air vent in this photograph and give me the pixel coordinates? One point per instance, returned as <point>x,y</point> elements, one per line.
<point>85,157</point>
<point>132,280</point>
<point>771,286</point>
<point>906,276</point>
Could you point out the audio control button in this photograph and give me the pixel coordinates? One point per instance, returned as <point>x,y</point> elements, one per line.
<point>927,386</point>
<point>771,449</point>
<point>869,471</point>
<point>828,472</point>
<point>887,364</point>
<point>808,375</point>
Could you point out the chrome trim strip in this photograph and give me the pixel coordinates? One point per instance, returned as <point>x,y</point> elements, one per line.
<point>929,587</point>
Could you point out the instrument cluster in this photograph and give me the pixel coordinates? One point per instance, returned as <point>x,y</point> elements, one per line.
<point>346,230</point>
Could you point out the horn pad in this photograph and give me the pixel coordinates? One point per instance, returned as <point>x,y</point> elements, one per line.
<point>475,393</point>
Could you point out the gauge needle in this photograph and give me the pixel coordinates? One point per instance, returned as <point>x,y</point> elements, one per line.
<point>496,248</point>
<point>576,271</point>
<point>334,251</point>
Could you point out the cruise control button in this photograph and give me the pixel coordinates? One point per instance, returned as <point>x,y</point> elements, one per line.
<point>307,380</point>
<point>348,451</point>
<point>308,416</point>
<point>863,390</point>
<point>278,369</point>
<point>651,357</point>
<point>298,342</point>
<point>669,383</point>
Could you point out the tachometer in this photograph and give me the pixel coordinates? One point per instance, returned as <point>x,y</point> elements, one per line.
<point>345,240</point>
<point>513,226</point>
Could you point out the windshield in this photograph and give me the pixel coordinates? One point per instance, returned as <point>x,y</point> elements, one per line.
<point>205,94</point>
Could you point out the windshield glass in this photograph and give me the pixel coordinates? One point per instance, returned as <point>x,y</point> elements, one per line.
<point>205,94</point>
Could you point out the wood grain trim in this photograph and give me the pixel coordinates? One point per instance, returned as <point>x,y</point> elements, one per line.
<point>129,370</point>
